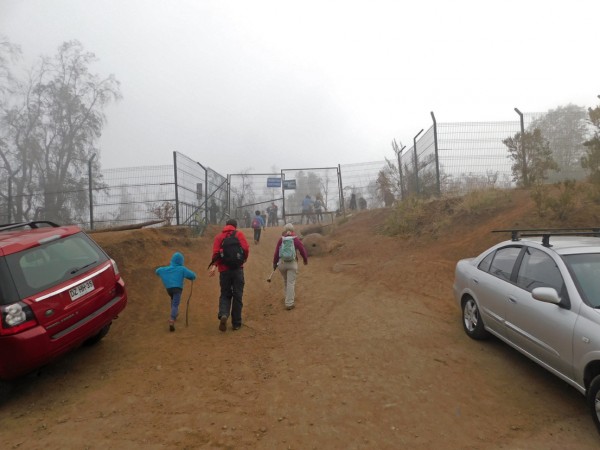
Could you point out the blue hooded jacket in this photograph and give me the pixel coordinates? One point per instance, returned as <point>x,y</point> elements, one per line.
<point>172,275</point>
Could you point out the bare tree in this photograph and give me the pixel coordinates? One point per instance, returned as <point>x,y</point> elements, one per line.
<point>53,125</point>
<point>244,194</point>
<point>385,187</point>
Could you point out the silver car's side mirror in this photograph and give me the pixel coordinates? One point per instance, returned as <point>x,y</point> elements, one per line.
<point>546,294</point>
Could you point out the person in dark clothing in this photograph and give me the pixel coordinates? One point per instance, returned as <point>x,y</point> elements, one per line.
<point>353,202</point>
<point>272,214</point>
<point>231,279</point>
<point>362,203</point>
<point>214,210</point>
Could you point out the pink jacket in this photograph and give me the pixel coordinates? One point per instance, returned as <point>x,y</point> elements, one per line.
<point>297,244</point>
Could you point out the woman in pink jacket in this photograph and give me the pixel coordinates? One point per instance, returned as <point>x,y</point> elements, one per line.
<point>286,258</point>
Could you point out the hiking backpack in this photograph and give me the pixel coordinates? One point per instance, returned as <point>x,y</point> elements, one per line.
<point>287,251</point>
<point>255,222</point>
<point>231,252</point>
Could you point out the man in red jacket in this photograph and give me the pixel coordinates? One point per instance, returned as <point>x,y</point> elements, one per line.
<point>231,277</point>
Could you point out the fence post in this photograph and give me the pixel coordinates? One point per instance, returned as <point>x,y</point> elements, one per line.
<point>228,195</point>
<point>91,192</point>
<point>398,152</point>
<point>341,191</point>
<point>416,161</point>
<point>282,175</point>
<point>437,157</point>
<point>176,190</point>
<point>525,174</point>
<point>9,218</point>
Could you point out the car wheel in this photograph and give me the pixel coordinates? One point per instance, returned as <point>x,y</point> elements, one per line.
<point>593,398</point>
<point>6,389</point>
<point>97,337</point>
<point>472,321</point>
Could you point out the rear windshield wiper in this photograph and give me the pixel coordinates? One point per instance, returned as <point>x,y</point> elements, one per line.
<point>82,267</point>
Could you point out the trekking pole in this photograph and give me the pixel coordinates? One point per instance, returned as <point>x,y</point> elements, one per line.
<point>187,306</point>
<point>271,276</point>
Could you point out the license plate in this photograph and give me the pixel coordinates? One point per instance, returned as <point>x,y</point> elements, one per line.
<point>81,290</point>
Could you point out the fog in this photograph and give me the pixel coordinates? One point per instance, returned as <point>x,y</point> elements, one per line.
<point>263,85</point>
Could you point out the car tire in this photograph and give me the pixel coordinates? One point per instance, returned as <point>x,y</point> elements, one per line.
<point>97,337</point>
<point>593,400</point>
<point>6,388</point>
<point>472,321</point>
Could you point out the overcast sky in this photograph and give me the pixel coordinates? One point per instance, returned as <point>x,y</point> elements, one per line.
<point>256,85</point>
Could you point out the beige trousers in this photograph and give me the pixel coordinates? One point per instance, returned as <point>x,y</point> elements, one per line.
<point>289,271</point>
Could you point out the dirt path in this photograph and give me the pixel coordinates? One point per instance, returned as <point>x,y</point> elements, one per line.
<point>373,356</point>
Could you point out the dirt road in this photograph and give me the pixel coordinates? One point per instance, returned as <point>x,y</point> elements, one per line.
<point>373,357</point>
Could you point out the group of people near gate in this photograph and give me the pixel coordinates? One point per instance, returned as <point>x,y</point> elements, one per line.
<point>312,209</point>
<point>229,254</point>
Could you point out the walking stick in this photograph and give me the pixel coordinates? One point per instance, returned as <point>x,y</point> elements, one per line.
<point>187,306</point>
<point>271,276</point>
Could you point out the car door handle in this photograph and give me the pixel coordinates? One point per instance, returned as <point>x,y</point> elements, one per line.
<point>512,299</point>
<point>475,280</point>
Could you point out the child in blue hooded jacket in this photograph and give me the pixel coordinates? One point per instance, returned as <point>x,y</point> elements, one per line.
<point>173,277</point>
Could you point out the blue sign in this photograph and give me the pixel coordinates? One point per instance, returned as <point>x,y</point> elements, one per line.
<point>289,184</point>
<point>274,182</point>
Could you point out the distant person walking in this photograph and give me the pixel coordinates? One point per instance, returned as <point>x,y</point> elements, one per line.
<point>258,224</point>
<point>362,203</point>
<point>319,206</point>
<point>307,209</point>
<point>173,277</point>
<point>286,259</point>
<point>272,212</point>
<point>353,202</point>
<point>230,252</point>
<point>214,210</point>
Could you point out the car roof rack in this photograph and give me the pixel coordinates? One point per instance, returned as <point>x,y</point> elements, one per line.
<point>33,224</point>
<point>518,233</point>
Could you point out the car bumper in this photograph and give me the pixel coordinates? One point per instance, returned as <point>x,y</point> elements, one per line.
<point>23,352</point>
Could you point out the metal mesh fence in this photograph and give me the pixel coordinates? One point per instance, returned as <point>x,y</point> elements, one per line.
<point>360,179</point>
<point>468,156</point>
<point>201,192</point>
<point>133,195</point>
<point>311,183</point>
<point>473,156</point>
<point>253,192</point>
<point>283,194</point>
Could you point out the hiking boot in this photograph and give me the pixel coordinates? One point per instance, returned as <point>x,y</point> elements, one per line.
<point>223,323</point>
<point>171,325</point>
<point>290,307</point>
<point>236,327</point>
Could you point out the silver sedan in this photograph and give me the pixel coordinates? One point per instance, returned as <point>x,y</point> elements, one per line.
<point>540,293</point>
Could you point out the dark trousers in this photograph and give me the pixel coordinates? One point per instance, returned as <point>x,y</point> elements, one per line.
<point>232,290</point>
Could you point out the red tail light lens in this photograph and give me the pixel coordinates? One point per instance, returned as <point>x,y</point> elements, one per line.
<point>16,317</point>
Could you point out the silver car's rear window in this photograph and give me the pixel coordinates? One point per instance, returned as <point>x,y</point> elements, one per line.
<point>585,270</point>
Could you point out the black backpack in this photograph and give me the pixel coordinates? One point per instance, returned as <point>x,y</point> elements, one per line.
<point>231,252</point>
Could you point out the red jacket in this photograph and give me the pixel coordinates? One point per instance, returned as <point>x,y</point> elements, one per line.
<point>297,244</point>
<point>227,230</point>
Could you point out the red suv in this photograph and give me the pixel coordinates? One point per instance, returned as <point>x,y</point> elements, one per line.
<point>58,290</point>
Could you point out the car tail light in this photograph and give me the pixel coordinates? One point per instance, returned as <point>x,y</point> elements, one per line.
<point>115,268</point>
<point>16,317</point>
